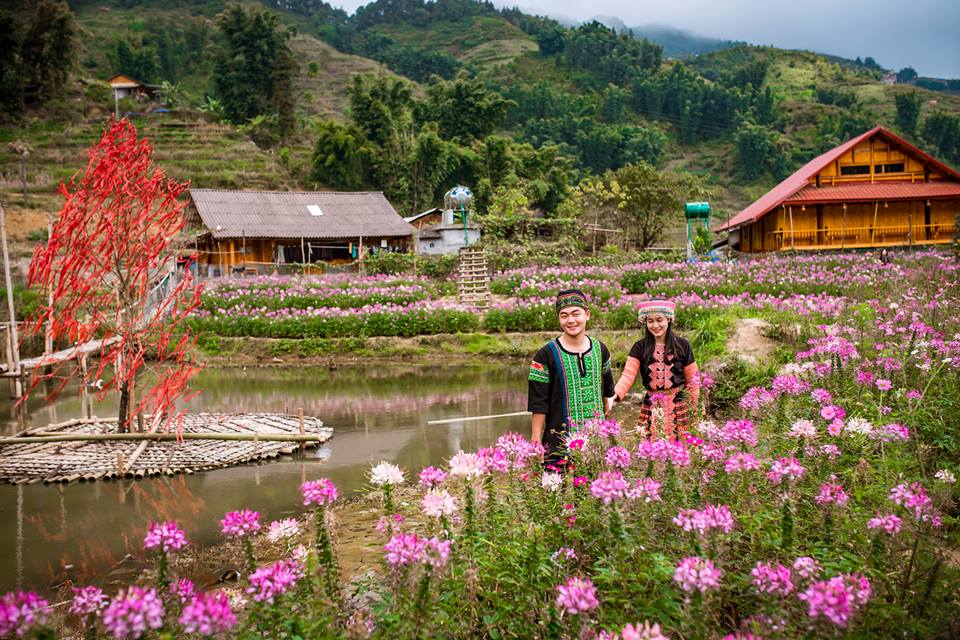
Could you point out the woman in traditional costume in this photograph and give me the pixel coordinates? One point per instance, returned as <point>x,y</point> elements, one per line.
<point>667,370</point>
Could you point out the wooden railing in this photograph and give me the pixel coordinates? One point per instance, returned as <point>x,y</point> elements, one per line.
<point>885,234</point>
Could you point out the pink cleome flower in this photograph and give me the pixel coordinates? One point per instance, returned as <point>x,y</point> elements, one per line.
<point>772,579</point>
<point>404,549</point>
<point>21,611</point>
<point>617,457</point>
<point>739,462</point>
<point>806,567</point>
<point>646,631</point>
<point>832,494</point>
<point>133,612</point>
<point>87,601</point>
<point>208,614</point>
<point>431,477</point>
<point>436,552</point>
<point>183,590</point>
<point>240,524</point>
<point>609,486</point>
<point>577,596</point>
<point>165,536</point>
<point>705,520</point>
<point>266,583</point>
<point>782,469</point>
<point>837,599</point>
<point>318,492</point>
<point>888,523</point>
<point>697,574</point>
<point>914,498</point>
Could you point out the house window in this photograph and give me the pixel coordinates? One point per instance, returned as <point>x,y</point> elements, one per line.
<point>890,167</point>
<point>432,245</point>
<point>854,169</point>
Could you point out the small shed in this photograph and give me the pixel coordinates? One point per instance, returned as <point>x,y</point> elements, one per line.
<point>127,87</point>
<point>257,230</point>
<point>426,218</point>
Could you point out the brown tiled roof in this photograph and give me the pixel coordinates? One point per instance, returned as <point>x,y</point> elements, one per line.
<point>293,214</point>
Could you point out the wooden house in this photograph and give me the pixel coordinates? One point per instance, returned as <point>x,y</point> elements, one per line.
<point>256,230</point>
<point>127,87</point>
<point>876,190</point>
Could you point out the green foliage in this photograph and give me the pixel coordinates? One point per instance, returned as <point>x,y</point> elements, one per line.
<point>907,74</point>
<point>760,150</point>
<point>908,112</point>
<point>253,67</point>
<point>941,131</point>
<point>464,108</point>
<point>839,97</point>
<point>441,266</point>
<point>337,159</point>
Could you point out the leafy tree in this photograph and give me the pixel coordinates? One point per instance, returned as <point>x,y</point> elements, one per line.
<point>907,74</point>
<point>640,200</point>
<point>760,150</point>
<point>551,40</point>
<point>246,63</point>
<point>908,112</point>
<point>285,70</point>
<point>337,159</point>
<point>11,64</point>
<point>464,108</point>
<point>49,50</point>
<point>109,264</point>
<point>941,130</point>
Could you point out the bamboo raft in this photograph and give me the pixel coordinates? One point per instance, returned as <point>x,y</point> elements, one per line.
<point>210,441</point>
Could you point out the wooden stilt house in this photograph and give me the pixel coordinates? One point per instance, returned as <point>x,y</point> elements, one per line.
<point>254,231</point>
<point>876,190</point>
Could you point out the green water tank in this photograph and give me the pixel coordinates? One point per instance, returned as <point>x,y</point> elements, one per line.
<point>696,210</point>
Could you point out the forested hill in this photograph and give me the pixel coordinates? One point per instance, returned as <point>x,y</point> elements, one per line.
<point>411,97</point>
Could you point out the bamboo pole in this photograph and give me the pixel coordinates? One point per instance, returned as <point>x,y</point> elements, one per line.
<point>14,338</point>
<point>46,436</point>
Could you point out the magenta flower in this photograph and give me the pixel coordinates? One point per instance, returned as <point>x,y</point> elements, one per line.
<point>883,384</point>
<point>888,523</point>
<point>318,492</point>
<point>832,494</point>
<point>837,599</point>
<point>739,462</point>
<point>404,549</point>
<point>821,396</point>
<point>705,520</point>
<point>208,614</point>
<point>617,457</point>
<point>697,574</point>
<point>266,583</point>
<point>788,469</point>
<point>183,590</point>
<point>609,486</point>
<point>165,536</point>
<point>21,611</point>
<point>646,488</point>
<point>577,596</point>
<point>436,552</point>
<point>806,567</point>
<point>133,612</point>
<point>431,477</point>
<point>87,601</point>
<point>832,412</point>
<point>772,579</point>
<point>664,451</point>
<point>240,524</point>
<point>914,498</point>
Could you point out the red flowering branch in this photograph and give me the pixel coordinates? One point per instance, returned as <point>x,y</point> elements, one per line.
<point>111,267</point>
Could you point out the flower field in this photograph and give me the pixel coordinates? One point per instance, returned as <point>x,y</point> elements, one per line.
<point>823,506</point>
<point>814,287</point>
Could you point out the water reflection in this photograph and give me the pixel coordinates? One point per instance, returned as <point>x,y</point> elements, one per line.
<point>83,532</point>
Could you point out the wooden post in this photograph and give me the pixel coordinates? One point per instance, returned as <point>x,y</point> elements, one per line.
<point>873,229</point>
<point>243,234</point>
<point>300,415</point>
<point>360,256</point>
<point>793,241</point>
<point>909,230</point>
<point>303,252</point>
<point>843,227</point>
<point>120,468</point>
<point>14,339</point>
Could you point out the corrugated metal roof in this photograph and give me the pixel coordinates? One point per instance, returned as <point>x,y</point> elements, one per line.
<point>800,178</point>
<point>287,214</point>
<point>865,191</point>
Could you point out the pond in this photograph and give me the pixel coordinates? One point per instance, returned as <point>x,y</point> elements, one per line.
<point>84,532</point>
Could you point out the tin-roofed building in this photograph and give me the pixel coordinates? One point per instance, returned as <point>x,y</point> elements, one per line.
<point>875,190</point>
<point>259,229</point>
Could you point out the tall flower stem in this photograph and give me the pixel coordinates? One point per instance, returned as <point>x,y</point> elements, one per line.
<point>328,566</point>
<point>388,499</point>
<point>163,580</point>
<point>248,550</point>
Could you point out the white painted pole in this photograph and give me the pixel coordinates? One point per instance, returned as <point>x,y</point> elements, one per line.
<point>14,338</point>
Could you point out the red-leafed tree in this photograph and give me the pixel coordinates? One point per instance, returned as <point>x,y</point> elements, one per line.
<point>110,263</point>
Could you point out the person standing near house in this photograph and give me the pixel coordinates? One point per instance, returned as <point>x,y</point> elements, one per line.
<point>667,370</point>
<point>570,378</point>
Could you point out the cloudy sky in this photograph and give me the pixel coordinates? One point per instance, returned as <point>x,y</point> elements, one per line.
<point>924,34</point>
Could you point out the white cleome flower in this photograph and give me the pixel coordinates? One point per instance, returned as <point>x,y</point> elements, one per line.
<point>386,473</point>
<point>283,529</point>
<point>439,503</point>
<point>803,429</point>
<point>466,465</point>
<point>551,481</point>
<point>859,425</point>
<point>946,476</point>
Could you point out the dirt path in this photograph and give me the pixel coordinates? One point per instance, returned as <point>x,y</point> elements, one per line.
<point>749,341</point>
